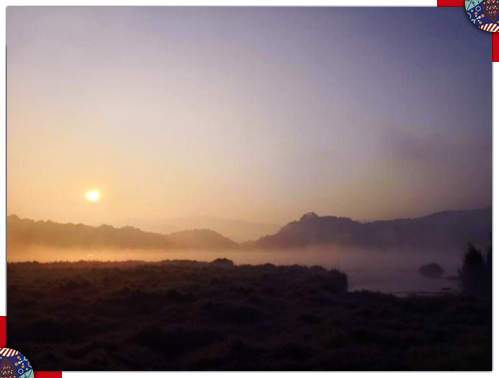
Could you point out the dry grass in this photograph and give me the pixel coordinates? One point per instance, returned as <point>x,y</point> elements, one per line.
<point>183,315</point>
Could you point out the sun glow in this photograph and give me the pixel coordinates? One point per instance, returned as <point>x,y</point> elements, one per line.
<point>92,195</point>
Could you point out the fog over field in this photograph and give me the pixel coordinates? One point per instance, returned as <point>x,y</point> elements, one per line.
<point>385,271</point>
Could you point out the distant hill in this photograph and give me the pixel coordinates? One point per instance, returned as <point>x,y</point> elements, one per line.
<point>234,229</point>
<point>444,230</point>
<point>22,232</point>
<point>448,229</point>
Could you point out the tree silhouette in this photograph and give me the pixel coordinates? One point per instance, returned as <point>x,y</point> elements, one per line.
<point>476,271</point>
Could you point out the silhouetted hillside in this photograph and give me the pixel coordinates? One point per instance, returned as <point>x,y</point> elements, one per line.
<point>449,229</point>
<point>22,232</point>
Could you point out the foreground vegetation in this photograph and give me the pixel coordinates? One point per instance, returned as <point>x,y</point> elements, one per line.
<point>182,315</point>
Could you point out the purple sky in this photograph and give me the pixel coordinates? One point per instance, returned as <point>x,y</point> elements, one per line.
<point>250,113</point>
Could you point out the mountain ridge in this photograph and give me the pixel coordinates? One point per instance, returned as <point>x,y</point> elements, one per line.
<point>27,232</point>
<point>445,229</point>
<point>450,228</point>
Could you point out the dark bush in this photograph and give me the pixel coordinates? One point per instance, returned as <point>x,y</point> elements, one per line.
<point>338,282</point>
<point>432,270</point>
<point>223,262</point>
<point>476,271</point>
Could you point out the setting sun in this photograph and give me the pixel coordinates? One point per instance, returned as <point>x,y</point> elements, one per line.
<point>92,195</point>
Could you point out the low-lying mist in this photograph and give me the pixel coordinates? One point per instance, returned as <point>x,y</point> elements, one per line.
<point>392,271</point>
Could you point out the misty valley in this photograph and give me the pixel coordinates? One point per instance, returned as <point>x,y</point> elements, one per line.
<point>322,293</point>
<point>381,256</point>
<point>384,271</point>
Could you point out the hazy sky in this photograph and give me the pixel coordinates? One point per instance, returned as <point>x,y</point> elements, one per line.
<point>259,114</point>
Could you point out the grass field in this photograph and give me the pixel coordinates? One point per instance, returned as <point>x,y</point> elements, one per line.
<point>184,315</point>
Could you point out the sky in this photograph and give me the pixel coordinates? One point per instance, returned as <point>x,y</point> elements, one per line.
<point>258,114</point>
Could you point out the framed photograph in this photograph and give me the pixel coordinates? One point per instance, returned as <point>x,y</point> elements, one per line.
<point>225,188</point>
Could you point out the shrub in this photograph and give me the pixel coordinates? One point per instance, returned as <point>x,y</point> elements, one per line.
<point>338,281</point>
<point>432,270</point>
<point>223,262</point>
<point>476,271</point>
